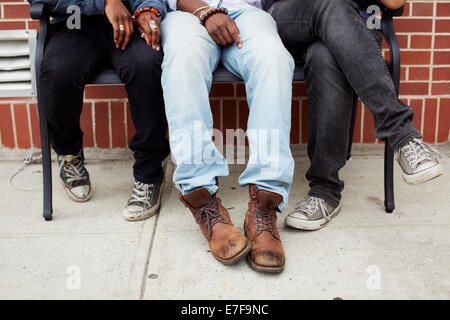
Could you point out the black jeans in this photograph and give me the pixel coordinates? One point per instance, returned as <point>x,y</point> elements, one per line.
<point>72,57</point>
<point>340,53</point>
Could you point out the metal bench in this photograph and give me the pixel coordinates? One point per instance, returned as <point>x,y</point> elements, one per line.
<point>40,12</point>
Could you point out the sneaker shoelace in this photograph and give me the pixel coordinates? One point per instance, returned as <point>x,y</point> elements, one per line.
<point>208,215</point>
<point>141,193</point>
<point>311,204</point>
<point>73,169</point>
<point>416,151</point>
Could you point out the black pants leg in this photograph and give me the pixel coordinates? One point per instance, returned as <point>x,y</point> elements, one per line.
<point>70,57</point>
<point>338,24</point>
<point>330,101</point>
<point>139,67</point>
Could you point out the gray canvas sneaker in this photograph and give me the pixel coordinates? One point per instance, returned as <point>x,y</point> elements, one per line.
<point>145,200</point>
<point>418,162</point>
<point>311,214</point>
<point>74,177</point>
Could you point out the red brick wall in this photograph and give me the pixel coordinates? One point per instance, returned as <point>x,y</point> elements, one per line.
<point>424,35</point>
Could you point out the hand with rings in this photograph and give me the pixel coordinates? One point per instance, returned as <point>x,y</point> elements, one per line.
<point>148,25</point>
<point>120,18</point>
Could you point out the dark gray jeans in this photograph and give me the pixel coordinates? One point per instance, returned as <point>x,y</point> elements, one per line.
<point>339,53</point>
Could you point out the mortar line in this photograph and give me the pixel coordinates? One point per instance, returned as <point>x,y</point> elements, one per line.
<point>430,91</point>
<point>422,121</point>
<point>125,121</point>
<point>109,125</point>
<point>13,119</point>
<point>30,131</point>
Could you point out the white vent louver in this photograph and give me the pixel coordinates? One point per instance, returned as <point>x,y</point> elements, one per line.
<point>17,75</point>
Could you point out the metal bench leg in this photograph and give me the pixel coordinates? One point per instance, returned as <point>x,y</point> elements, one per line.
<point>387,27</point>
<point>46,165</point>
<point>352,125</point>
<point>389,178</point>
<point>37,11</point>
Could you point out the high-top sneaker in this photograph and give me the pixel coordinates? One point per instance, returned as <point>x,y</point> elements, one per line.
<point>226,242</point>
<point>267,252</point>
<point>145,200</point>
<point>74,177</point>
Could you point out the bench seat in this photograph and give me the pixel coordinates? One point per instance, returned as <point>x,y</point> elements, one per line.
<point>109,76</point>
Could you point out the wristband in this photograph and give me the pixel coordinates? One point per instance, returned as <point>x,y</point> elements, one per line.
<point>205,15</point>
<point>201,8</point>
<point>146,9</point>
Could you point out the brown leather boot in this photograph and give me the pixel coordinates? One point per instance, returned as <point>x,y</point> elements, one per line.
<point>267,252</point>
<point>226,242</point>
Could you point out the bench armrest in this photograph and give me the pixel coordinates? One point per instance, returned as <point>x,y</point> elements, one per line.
<point>387,27</point>
<point>38,11</point>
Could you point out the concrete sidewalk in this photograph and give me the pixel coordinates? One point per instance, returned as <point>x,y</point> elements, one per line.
<point>89,252</point>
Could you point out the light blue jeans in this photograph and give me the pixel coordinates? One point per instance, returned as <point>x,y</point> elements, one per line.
<point>190,57</point>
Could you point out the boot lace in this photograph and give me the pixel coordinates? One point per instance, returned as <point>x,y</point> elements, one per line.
<point>311,204</point>
<point>208,215</point>
<point>416,151</point>
<point>263,219</point>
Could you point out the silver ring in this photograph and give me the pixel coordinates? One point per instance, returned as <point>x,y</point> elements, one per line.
<point>153,25</point>
<point>143,35</point>
<point>121,27</point>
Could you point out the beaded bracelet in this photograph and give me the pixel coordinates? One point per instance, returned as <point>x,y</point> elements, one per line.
<point>205,15</point>
<point>146,9</point>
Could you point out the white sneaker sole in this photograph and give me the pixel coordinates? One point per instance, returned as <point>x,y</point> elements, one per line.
<point>424,175</point>
<point>73,197</point>
<point>146,214</point>
<point>310,225</point>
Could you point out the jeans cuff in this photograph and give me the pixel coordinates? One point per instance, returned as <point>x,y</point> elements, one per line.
<point>212,189</point>
<point>406,140</point>
<point>148,180</point>
<point>69,151</point>
<point>324,197</point>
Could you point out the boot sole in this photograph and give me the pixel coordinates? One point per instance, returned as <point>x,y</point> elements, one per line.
<point>236,258</point>
<point>260,268</point>
<point>310,225</point>
<point>423,176</point>
<point>74,198</point>
<point>151,212</point>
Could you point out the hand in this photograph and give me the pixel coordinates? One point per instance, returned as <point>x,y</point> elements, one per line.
<point>152,36</point>
<point>223,30</point>
<point>120,18</point>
